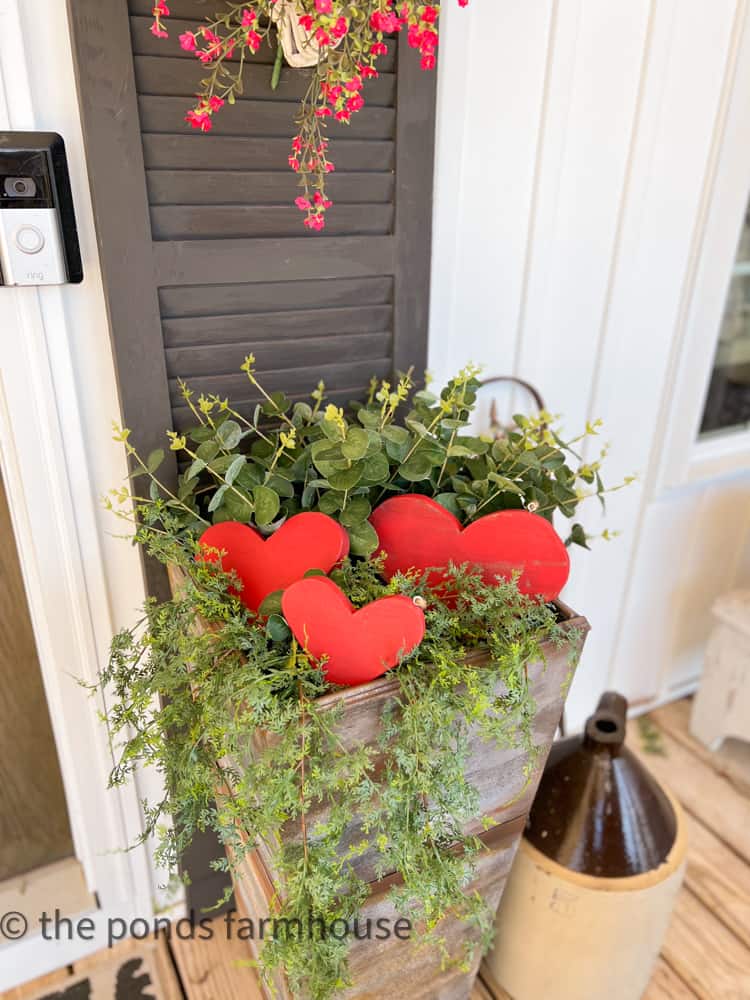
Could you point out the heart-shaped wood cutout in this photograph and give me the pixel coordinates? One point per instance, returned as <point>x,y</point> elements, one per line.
<point>304,542</point>
<point>359,645</point>
<point>416,532</point>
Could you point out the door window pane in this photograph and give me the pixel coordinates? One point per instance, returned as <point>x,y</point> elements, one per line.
<point>728,399</point>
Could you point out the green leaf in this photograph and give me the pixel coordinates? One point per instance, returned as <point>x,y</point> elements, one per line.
<point>155,459</point>
<point>235,468</point>
<point>230,434</point>
<point>398,435</point>
<point>330,502</point>
<point>266,505</point>
<point>186,487</point>
<point>363,539</point>
<point>217,499</point>
<point>450,502</point>
<point>237,508</point>
<point>277,629</point>
<point>417,426</point>
<point>346,479</point>
<point>271,604</point>
<point>507,484</point>
<point>368,419</point>
<point>356,444</point>
<point>198,465</point>
<point>416,469</point>
<point>376,469</point>
<point>208,451</point>
<point>577,536</point>
<point>355,512</point>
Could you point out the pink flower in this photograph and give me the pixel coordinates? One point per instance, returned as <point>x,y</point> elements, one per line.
<point>249,17</point>
<point>253,40</point>
<point>354,84</point>
<point>323,112</point>
<point>369,72</point>
<point>297,144</point>
<point>199,119</point>
<point>210,36</point>
<point>342,116</point>
<point>215,102</point>
<point>302,204</point>
<point>340,28</point>
<point>329,168</point>
<point>322,37</point>
<point>306,21</point>
<point>317,222</point>
<point>187,41</point>
<point>294,163</point>
<point>430,15</point>
<point>356,101</point>
<point>158,31</point>
<point>428,61</point>
<point>321,201</point>
<point>379,49</point>
<point>160,8</point>
<point>323,6</point>
<point>463,3</point>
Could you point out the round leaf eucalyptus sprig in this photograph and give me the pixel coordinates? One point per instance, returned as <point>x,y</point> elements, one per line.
<point>288,457</point>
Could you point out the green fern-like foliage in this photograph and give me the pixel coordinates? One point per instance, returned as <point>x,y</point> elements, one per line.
<point>193,684</point>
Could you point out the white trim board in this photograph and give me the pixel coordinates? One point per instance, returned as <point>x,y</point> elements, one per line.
<point>57,398</point>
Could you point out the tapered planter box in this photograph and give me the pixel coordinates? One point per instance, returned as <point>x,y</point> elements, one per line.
<point>396,967</point>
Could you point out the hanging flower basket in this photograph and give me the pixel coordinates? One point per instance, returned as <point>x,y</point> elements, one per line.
<point>340,40</point>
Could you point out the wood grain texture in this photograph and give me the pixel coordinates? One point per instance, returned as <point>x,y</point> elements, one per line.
<point>732,761</point>
<point>705,954</point>
<point>96,976</point>
<point>220,153</point>
<point>703,792</point>
<point>719,879</point>
<point>229,222</point>
<point>34,828</point>
<point>267,297</point>
<point>216,968</point>
<point>666,985</point>
<point>284,325</point>
<point>256,187</point>
<point>394,967</point>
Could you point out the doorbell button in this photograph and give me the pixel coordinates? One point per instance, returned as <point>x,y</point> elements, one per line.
<point>29,239</point>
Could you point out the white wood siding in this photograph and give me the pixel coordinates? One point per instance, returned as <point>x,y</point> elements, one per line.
<point>581,146</point>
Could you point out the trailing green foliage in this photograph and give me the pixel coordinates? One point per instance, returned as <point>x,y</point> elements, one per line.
<point>227,707</point>
<point>292,457</point>
<point>189,701</point>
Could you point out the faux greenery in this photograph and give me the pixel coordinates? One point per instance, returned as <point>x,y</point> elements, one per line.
<point>192,683</point>
<point>290,457</point>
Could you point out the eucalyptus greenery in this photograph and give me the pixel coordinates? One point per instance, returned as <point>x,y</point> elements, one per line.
<point>191,686</point>
<point>291,457</point>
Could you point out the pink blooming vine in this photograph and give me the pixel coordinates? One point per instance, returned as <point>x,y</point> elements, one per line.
<point>350,38</point>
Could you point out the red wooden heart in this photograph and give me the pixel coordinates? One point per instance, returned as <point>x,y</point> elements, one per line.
<point>304,542</point>
<point>416,532</point>
<point>359,645</point>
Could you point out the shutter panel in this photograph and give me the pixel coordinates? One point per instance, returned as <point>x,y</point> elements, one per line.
<point>232,271</point>
<point>203,256</point>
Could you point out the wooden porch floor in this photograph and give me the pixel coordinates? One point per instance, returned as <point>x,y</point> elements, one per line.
<point>706,953</point>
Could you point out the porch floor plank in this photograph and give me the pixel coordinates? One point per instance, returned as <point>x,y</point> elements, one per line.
<point>217,968</point>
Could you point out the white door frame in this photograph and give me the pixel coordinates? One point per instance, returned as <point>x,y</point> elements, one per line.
<point>58,397</point>
<point>686,459</point>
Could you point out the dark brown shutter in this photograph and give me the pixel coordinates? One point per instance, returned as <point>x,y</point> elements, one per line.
<point>204,254</point>
<point>204,257</point>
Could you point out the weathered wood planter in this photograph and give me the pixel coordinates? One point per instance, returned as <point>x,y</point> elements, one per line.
<point>397,967</point>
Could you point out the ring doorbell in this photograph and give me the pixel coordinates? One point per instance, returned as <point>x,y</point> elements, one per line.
<point>38,236</point>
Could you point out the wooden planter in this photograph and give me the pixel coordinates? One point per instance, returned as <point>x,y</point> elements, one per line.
<point>400,968</point>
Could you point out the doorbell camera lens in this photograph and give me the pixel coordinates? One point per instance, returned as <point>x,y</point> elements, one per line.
<point>20,187</point>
